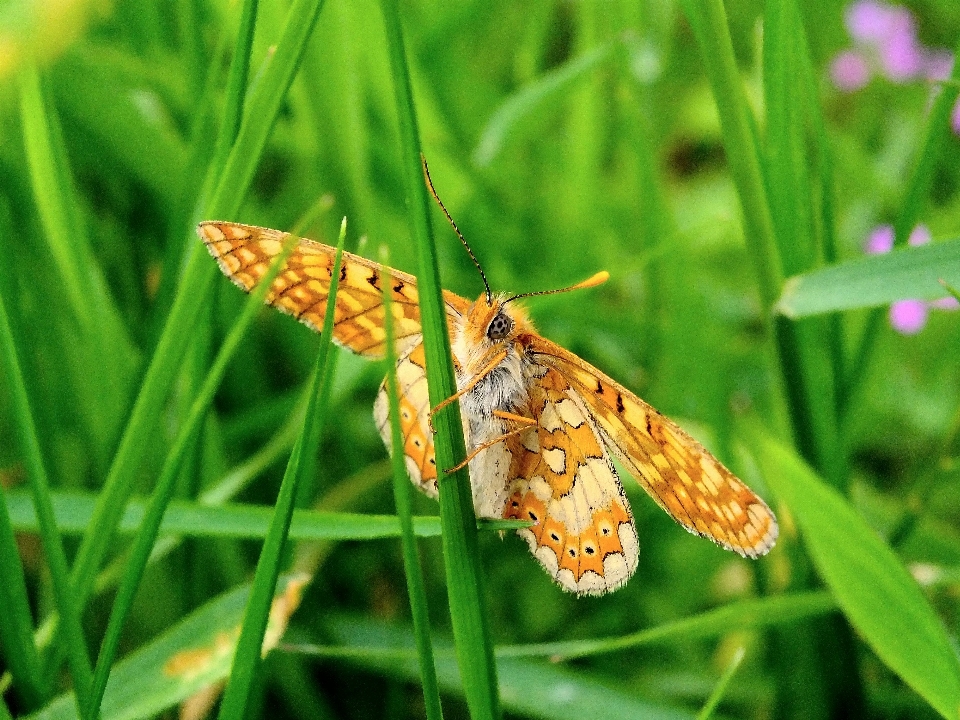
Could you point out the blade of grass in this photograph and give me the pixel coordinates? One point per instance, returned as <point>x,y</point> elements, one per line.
<point>241,521</point>
<point>806,367</point>
<point>871,586</point>
<point>247,658</point>
<point>519,106</point>
<point>101,366</point>
<point>763,612</point>
<point>64,592</point>
<point>401,495</point>
<point>16,630</point>
<point>461,556</point>
<point>721,687</point>
<point>709,22</point>
<point>864,282</point>
<point>803,362</point>
<point>180,452</point>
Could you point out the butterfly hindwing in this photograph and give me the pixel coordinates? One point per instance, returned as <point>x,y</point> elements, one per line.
<point>675,470</point>
<point>414,419</point>
<point>561,478</point>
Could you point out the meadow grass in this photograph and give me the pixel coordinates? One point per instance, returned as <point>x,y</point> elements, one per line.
<point>708,155</point>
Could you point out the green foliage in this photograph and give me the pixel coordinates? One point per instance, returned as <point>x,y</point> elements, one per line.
<point>718,173</point>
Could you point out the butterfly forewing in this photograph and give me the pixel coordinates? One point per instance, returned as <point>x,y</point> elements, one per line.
<point>244,253</point>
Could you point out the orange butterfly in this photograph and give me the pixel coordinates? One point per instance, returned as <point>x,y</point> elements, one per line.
<point>540,423</point>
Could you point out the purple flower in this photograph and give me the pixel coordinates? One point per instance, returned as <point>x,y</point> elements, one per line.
<point>880,240</point>
<point>849,71</point>
<point>920,235</point>
<point>900,53</point>
<point>870,22</point>
<point>907,317</point>
<point>885,43</point>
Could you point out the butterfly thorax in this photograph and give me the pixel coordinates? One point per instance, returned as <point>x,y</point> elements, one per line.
<point>489,333</point>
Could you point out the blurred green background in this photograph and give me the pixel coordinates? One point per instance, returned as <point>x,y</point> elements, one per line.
<point>564,138</point>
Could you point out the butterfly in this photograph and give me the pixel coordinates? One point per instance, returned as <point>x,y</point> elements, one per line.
<point>540,423</point>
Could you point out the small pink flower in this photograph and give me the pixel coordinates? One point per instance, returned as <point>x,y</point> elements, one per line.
<point>900,53</point>
<point>849,71</point>
<point>919,236</point>
<point>908,316</point>
<point>955,119</point>
<point>880,240</point>
<point>870,22</point>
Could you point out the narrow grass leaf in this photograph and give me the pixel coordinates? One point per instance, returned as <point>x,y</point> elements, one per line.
<point>247,659</point>
<point>401,493</point>
<point>518,107</point>
<point>763,612</point>
<point>721,687</point>
<point>64,592</point>
<point>73,511</point>
<point>460,552</point>
<point>871,586</point>
<point>16,630</point>
<point>166,485</point>
<point>709,22</point>
<point>913,272</point>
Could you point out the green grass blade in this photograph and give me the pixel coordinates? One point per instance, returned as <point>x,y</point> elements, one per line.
<point>401,493</point>
<point>518,107</point>
<point>102,364</point>
<point>721,687</point>
<point>913,272</point>
<point>807,369</point>
<point>870,584</point>
<point>166,485</point>
<point>709,22</point>
<point>460,552</point>
<point>63,590</point>
<point>763,612</point>
<point>241,521</point>
<point>16,630</point>
<point>247,659</point>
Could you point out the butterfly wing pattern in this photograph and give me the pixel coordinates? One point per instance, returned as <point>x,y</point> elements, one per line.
<point>553,469</point>
<point>561,478</point>
<point>683,478</point>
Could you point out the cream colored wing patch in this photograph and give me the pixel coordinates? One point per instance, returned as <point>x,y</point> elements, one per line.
<point>561,478</point>
<point>414,419</point>
<point>675,470</point>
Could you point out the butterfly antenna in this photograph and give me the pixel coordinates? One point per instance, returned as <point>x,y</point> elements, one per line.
<point>426,175</point>
<point>592,281</point>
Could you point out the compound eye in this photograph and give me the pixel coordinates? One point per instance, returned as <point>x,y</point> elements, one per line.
<point>499,327</point>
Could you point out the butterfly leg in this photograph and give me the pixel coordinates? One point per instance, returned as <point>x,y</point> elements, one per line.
<point>488,368</point>
<point>525,423</point>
